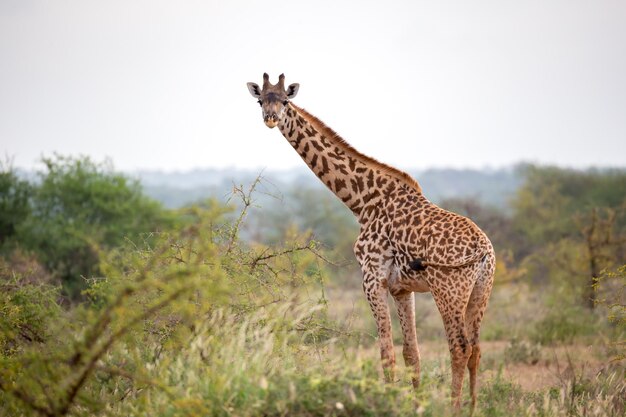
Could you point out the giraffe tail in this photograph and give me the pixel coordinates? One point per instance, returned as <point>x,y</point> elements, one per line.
<point>417,264</point>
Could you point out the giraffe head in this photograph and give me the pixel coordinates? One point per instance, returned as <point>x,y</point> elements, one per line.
<point>273,98</point>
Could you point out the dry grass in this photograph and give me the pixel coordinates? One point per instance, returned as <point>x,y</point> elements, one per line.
<point>511,314</point>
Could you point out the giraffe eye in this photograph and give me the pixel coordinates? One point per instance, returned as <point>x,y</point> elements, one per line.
<point>260,102</point>
<point>285,102</point>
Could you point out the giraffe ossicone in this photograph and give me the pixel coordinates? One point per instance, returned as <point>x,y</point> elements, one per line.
<point>406,243</point>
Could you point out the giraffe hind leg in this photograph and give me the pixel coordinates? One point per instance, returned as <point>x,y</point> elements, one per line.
<point>452,293</point>
<point>473,319</point>
<point>472,366</point>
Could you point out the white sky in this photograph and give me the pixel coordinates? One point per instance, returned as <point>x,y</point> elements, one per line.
<point>161,84</point>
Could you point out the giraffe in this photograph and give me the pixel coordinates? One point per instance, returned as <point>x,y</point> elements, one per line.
<point>406,243</point>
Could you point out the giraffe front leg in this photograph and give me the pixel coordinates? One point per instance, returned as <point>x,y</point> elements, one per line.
<point>405,302</point>
<point>376,295</point>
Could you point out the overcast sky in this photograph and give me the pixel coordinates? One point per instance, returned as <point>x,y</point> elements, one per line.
<point>162,84</point>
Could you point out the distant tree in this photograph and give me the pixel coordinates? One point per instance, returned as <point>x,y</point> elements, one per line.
<point>610,289</point>
<point>547,204</point>
<point>79,207</point>
<point>603,243</point>
<point>14,202</point>
<point>571,221</point>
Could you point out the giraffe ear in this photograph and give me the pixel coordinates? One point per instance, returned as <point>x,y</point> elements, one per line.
<point>292,90</point>
<point>254,90</point>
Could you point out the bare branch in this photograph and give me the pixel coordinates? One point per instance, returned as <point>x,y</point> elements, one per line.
<point>246,198</point>
<point>308,247</point>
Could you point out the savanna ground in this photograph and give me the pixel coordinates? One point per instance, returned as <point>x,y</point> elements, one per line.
<point>113,306</point>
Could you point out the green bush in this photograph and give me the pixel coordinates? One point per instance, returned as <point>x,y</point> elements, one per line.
<point>197,297</point>
<point>76,209</point>
<point>27,310</point>
<point>564,324</point>
<point>521,351</point>
<point>500,398</point>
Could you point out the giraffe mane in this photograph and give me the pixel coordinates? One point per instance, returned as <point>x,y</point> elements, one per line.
<point>348,149</point>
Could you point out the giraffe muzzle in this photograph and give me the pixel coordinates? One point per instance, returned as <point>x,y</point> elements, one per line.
<point>271,121</point>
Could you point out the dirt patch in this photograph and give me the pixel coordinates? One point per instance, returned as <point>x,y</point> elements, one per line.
<point>556,366</point>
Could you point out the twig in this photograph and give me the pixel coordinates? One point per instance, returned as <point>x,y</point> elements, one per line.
<point>252,264</point>
<point>246,198</point>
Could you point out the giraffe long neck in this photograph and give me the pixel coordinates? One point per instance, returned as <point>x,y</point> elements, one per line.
<point>359,181</point>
